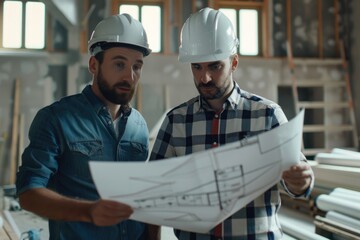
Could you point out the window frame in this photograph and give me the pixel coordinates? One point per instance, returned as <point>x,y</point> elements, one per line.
<point>263,29</point>
<point>23,35</point>
<point>163,4</point>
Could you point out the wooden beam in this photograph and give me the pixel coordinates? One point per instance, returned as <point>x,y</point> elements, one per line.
<point>336,27</point>
<point>167,24</point>
<point>288,21</point>
<point>49,46</point>
<point>84,28</point>
<point>265,24</point>
<point>320,30</point>
<point>240,4</point>
<point>139,98</point>
<point>14,133</point>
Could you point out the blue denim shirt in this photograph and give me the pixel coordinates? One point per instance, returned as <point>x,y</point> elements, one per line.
<point>64,137</point>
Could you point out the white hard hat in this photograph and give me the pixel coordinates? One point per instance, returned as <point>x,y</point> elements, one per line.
<point>207,36</point>
<point>122,29</point>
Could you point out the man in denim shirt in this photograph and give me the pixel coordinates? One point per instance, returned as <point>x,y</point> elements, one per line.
<point>54,180</point>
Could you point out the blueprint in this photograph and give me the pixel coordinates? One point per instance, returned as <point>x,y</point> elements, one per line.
<point>196,192</point>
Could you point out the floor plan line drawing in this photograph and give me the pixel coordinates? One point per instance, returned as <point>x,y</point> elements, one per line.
<point>195,192</point>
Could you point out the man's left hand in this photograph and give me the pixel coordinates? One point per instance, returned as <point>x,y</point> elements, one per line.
<point>298,178</point>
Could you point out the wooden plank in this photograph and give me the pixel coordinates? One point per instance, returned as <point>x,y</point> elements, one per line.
<point>316,83</point>
<point>330,128</point>
<point>322,83</point>
<point>336,26</point>
<point>2,161</point>
<point>318,61</point>
<point>349,93</point>
<point>239,4</point>
<point>265,24</point>
<point>86,11</point>
<point>7,232</point>
<point>21,147</point>
<point>3,234</point>
<point>288,23</point>
<point>14,133</point>
<point>314,151</point>
<point>317,105</point>
<point>334,228</point>
<point>320,30</point>
<point>139,98</point>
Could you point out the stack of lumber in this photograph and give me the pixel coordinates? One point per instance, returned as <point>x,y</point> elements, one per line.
<point>339,168</point>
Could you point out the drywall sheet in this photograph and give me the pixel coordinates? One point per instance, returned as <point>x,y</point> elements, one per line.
<point>198,191</point>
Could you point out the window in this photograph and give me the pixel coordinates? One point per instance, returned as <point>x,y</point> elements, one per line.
<point>150,17</point>
<point>250,21</point>
<point>245,22</point>
<point>23,24</point>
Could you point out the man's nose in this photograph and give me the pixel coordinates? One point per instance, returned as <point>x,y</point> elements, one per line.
<point>129,75</point>
<point>205,77</point>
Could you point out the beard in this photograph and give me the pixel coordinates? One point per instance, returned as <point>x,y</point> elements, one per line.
<point>211,91</point>
<point>110,92</point>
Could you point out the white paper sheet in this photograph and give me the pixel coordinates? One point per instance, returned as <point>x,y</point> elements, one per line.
<point>198,191</point>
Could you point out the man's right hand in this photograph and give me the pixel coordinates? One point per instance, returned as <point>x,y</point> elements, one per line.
<point>51,205</point>
<point>108,212</point>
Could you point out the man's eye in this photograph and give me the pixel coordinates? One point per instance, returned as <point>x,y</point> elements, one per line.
<point>137,67</point>
<point>216,67</point>
<point>120,65</point>
<point>197,67</point>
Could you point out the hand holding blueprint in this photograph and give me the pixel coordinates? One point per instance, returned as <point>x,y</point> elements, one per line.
<point>196,192</point>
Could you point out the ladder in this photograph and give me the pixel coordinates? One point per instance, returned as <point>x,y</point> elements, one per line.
<point>329,112</point>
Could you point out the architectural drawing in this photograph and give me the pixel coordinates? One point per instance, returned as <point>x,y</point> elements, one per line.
<point>197,191</point>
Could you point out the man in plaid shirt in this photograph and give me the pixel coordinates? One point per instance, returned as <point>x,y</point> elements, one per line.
<point>221,114</point>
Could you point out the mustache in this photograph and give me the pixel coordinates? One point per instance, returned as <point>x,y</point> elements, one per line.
<point>123,84</point>
<point>205,85</point>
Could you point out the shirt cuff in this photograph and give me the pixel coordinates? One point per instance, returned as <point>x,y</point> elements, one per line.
<point>306,194</point>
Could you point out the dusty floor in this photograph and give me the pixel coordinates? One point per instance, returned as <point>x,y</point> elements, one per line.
<point>26,221</point>
<point>23,221</point>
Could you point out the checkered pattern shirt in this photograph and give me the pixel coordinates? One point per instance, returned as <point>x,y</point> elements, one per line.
<point>193,126</point>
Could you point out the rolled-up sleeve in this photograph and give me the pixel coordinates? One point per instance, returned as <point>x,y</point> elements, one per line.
<point>39,157</point>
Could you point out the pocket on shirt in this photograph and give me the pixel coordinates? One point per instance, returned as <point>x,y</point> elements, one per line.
<point>87,148</point>
<point>133,151</point>
<point>81,152</point>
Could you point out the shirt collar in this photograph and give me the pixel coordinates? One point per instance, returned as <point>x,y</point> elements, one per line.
<point>232,101</point>
<point>98,105</point>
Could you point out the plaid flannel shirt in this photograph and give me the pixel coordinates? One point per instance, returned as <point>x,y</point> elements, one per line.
<point>189,128</point>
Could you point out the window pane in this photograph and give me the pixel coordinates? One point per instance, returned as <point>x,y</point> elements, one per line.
<point>151,20</point>
<point>133,10</point>
<point>231,14</point>
<point>35,25</point>
<point>249,40</point>
<point>12,24</point>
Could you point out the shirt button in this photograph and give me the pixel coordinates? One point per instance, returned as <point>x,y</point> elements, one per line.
<point>109,122</point>
<point>216,116</point>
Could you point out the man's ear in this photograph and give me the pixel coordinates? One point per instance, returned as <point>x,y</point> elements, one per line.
<point>93,65</point>
<point>234,62</point>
